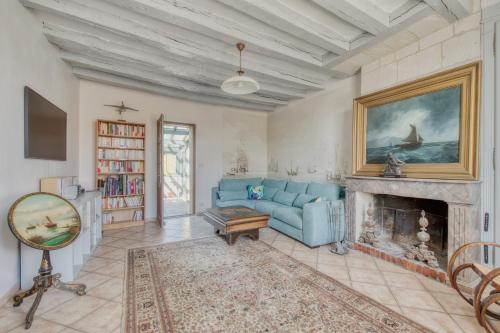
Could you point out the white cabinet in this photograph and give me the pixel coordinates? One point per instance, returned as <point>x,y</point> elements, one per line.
<point>70,259</point>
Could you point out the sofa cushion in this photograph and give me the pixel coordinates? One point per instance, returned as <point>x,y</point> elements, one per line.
<point>275,183</point>
<point>232,195</point>
<point>255,192</point>
<point>229,184</point>
<point>232,203</point>
<point>285,198</point>
<point>302,199</point>
<point>289,215</point>
<point>326,191</point>
<point>269,193</point>
<point>267,207</point>
<point>296,187</point>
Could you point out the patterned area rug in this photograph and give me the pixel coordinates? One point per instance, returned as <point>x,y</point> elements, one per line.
<point>205,285</point>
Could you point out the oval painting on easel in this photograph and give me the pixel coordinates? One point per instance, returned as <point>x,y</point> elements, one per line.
<point>44,221</point>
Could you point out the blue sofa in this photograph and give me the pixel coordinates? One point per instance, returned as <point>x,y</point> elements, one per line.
<point>311,213</point>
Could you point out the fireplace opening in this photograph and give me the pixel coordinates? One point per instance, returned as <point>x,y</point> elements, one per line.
<point>397,225</point>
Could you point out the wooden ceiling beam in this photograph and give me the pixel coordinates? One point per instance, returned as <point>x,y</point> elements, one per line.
<point>362,14</point>
<point>207,18</point>
<point>177,41</point>
<point>286,18</point>
<point>119,81</point>
<point>451,10</point>
<point>143,57</point>
<point>116,68</point>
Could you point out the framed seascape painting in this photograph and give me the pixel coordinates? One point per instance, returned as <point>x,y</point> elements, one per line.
<point>432,125</point>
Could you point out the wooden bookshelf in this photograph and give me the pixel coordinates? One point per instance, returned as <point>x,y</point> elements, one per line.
<point>120,172</point>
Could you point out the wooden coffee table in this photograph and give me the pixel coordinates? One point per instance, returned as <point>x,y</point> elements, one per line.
<point>231,222</point>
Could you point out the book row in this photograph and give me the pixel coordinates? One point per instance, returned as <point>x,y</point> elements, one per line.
<point>109,218</point>
<point>122,202</point>
<point>120,142</point>
<point>121,154</point>
<point>120,166</point>
<point>120,185</point>
<point>121,129</point>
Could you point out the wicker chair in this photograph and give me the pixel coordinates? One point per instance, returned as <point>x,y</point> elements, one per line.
<point>486,293</point>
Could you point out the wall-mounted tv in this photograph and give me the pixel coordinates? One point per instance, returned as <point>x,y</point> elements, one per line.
<point>44,128</point>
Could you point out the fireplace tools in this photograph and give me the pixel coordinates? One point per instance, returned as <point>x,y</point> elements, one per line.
<point>368,235</point>
<point>421,251</point>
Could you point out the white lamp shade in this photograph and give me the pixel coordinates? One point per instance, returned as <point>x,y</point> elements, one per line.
<point>240,85</point>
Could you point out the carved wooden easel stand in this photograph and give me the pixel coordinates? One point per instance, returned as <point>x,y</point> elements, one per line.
<point>42,282</point>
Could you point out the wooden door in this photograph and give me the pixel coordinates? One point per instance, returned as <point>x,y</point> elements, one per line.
<point>160,214</point>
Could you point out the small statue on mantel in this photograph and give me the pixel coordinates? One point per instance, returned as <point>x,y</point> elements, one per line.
<point>421,252</point>
<point>393,166</point>
<point>368,235</point>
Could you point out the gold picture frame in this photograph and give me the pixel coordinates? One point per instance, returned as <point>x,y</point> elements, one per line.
<point>466,167</point>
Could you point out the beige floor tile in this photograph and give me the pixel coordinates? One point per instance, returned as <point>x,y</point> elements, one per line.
<point>40,326</point>
<point>116,269</point>
<point>70,330</point>
<point>368,276</point>
<point>101,249</point>
<point>117,254</point>
<point>74,310</point>
<point>286,247</point>
<point>336,272</point>
<point>402,280</point>
<point>104,320</point>
<point>95,263</point>
<point>92,279</point>
<point>439,322</point>
<point>302,247</point>
<point>395,308</point>
<point>108,239</point>
<point>52,298</point>
<point>454,304</point>
<point>10,319</point>
<point>468,324</point>
<point>433,285</point>
<point>416,299</point>
<point>284,238</point>
<point>305,256</point>
<point>331,259</point>
<point>108,290</point>
<point>364,263</point>
<point>379,293</point>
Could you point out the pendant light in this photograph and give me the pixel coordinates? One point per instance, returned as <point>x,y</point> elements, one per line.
<point>240,84</point>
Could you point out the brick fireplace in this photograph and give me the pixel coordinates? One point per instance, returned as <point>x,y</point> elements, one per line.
<point>452,208</point>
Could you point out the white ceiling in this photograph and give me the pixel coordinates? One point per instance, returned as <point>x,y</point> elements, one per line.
<point>186,48</point>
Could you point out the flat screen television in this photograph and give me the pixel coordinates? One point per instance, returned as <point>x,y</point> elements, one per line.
<point>44,128</point>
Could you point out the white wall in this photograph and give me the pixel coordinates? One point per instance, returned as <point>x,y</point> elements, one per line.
<point>451,46</point>
<point>26,58</point>
<point>219,130</point>
<point>314,133</point>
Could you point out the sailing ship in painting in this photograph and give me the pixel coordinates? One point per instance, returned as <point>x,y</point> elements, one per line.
<point>421,129</point>
<point>47,224</point>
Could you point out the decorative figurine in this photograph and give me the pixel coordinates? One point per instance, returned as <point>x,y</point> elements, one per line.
<point>421,252</point>
<point>368,235</point>
<point>393,166</point>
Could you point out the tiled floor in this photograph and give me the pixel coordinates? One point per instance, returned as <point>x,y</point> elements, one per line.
<point>421,299</point>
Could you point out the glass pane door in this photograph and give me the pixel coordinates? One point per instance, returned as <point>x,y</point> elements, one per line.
<point>178,169</point>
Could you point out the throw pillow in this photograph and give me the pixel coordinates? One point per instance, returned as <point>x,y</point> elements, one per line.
<point>255,192</point>
<point>302,199</point>
<point>232,195</point>
<point>269,193</point>
<point>285,198</point>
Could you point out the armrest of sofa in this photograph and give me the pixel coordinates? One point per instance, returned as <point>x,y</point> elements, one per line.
<point>323,222</point>
<point>215,196</point>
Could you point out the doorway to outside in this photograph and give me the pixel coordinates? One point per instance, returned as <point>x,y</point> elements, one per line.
<point>177,177</point>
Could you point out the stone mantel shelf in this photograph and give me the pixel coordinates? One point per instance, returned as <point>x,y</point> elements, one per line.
<point>420,180</point>
<point>451,191</point>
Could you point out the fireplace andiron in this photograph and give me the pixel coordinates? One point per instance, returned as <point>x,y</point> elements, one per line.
<point>42,282</point>
<point>421,251</point>
<point>368,235</point>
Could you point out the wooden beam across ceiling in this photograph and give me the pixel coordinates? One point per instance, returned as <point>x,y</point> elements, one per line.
<point>178,41</point>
